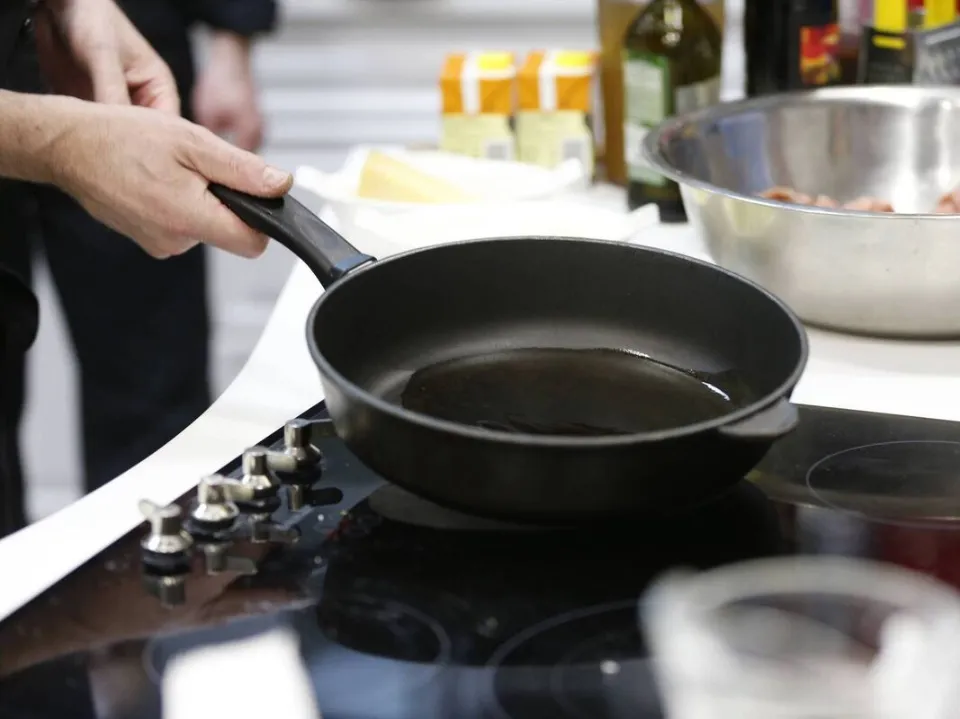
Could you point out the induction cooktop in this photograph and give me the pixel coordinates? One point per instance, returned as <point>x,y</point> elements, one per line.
<point>406,610</point>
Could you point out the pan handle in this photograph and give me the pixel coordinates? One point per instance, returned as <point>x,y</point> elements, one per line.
<point>766,425</point>
<point>287,220</point>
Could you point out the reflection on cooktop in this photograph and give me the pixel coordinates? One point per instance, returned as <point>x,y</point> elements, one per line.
<point>480,624</point>
<point>484,588</point>
<point>915,479</point>
<point>391,629</point>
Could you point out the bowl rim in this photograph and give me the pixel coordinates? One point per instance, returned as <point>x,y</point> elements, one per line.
<point>894,96</point>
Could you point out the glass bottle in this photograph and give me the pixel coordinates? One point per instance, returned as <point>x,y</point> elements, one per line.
<point>793,45</point>
<point>613,19</point>
<point>671,65</point>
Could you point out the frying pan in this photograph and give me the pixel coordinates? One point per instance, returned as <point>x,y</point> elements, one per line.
<point>544,380</point>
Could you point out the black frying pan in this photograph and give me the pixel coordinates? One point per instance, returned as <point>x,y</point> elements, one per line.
<point>545,380</point>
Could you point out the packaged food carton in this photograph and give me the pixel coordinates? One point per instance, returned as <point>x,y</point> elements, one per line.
<point>556,100</point>
<point>478,100</point>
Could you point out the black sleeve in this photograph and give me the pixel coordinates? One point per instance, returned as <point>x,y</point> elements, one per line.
<point>244,17</point>
<point>19,315</point>
<point>12,18</point>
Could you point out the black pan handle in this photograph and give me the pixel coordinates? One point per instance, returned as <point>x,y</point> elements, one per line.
<point>766,425</point>
<point>321,248</point>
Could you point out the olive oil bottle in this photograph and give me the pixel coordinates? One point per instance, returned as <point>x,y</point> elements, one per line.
<point>671,65</point>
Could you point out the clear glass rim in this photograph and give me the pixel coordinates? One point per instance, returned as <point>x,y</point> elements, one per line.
<point>676,614</point>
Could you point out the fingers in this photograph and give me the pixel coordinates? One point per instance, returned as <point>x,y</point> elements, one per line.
<point>219,161</point>
<point>164,98</point>
<point>148,75</point>
<point>106,74</point>
<point>198,217</point>
<point>158,96</point>
<point>153,86</point>
<point>219,227</point>
<point>166,248</point>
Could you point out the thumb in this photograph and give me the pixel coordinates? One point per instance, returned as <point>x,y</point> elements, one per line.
<point>219,161</point>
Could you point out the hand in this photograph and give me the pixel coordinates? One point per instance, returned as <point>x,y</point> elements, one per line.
<point>225,96</point>
<point>146,173</point>
<point>89,49</point>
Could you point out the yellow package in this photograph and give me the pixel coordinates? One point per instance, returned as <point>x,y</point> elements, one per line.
<point>556,92</point>
<point>477,91</point>
<point>939,13</point>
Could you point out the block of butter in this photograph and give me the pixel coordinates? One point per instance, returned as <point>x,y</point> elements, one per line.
<point>477,90</point>
<point>556,92</point>
<point>388,179</point>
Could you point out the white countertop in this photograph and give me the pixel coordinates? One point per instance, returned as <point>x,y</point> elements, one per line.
<point>279,382</point>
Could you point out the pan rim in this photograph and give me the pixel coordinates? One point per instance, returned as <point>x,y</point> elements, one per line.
<point>425,421</point>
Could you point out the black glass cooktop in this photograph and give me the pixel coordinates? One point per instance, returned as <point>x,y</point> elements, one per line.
<point>408,611</point>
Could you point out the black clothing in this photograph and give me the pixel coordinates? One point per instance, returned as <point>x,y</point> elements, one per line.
<point>140,327</point>
<point>14,15</point>
<point>19,313</point>
<point>19,320</point>
<point>157,19</point>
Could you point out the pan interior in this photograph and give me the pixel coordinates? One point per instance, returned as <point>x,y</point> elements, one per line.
<point>556,337</point>
<point>561,391</point>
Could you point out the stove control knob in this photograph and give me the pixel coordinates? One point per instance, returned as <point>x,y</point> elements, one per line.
<point>166,549</point>
<point>171,590</point>
<point>216,508</point>
<point>297,443</point>
<point>256,473</point>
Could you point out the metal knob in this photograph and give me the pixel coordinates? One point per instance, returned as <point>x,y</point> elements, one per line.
<point>297,443</point>
<point>167,536</point>
<point>171,590</point>
<point>216,500</point>
<point>256,471</point>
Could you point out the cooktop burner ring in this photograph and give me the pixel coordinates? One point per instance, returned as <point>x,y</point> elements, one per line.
<point>388,614</point>
<point>928,468</point>
<point>564,704</point>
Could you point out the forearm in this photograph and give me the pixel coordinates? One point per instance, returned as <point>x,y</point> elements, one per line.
<point>31,129</point>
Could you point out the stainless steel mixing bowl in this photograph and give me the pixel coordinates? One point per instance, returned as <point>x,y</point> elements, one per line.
<point>881,274</point>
